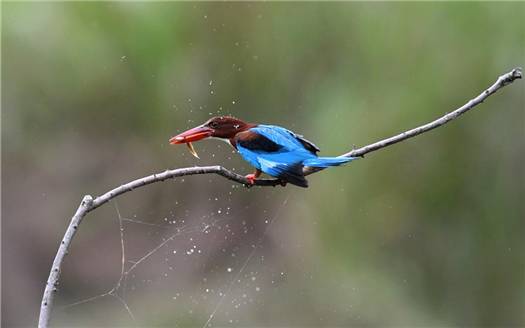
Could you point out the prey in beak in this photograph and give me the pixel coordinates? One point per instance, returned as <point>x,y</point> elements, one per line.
<point>191,135</point>
<point>192,150</point>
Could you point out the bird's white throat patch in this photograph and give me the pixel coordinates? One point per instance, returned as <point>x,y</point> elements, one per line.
<point>224,140</point>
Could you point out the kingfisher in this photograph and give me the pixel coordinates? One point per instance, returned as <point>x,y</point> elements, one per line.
<point>271,149</point>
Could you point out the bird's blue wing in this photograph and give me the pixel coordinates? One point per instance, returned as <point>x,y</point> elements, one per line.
<point>275,151</point>
<point>276,147</point>
<point>279,135</point>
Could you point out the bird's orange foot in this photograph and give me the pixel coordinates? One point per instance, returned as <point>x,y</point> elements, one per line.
<point>251,177</point>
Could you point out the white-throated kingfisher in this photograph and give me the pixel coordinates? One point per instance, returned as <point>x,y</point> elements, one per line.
<point>272,149</point>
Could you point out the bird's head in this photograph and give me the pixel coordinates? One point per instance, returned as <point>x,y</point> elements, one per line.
<point>224,127</point>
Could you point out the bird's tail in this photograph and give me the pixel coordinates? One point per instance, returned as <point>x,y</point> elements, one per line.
<point>328,161</point>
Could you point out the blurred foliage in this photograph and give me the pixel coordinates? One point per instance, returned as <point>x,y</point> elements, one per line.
<point>425,233</point>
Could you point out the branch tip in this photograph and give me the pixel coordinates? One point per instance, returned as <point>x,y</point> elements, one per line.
<point>517,73</point>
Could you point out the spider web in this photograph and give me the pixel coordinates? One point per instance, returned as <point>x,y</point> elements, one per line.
<point>207,224</point>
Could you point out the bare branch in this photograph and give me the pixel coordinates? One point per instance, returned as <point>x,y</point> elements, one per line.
<point>52,281</point>
<point>88,204</point>
<point>500,83</point>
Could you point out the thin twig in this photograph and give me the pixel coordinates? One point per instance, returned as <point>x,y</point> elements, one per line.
<point>88,204</point>
<point>500,83</point>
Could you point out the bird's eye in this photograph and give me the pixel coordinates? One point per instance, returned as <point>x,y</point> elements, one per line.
<point>214,124</point>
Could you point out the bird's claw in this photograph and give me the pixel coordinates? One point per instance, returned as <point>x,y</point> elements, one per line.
<point>283,183</point>
<point>251,177</point>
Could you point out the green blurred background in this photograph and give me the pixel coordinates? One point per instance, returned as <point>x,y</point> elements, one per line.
<point>429,232</point>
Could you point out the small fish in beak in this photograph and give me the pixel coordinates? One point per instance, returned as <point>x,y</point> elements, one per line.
<point>192,150</point>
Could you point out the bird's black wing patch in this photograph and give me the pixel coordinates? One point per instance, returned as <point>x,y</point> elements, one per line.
<point>256,142</point>
<point>307,144</point>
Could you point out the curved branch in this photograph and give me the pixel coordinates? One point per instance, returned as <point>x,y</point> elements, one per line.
<point>88,204</point>
<point>52,281</point>
<point>500,83</point>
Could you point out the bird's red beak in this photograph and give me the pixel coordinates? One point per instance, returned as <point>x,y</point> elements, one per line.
<point>192,135</point>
